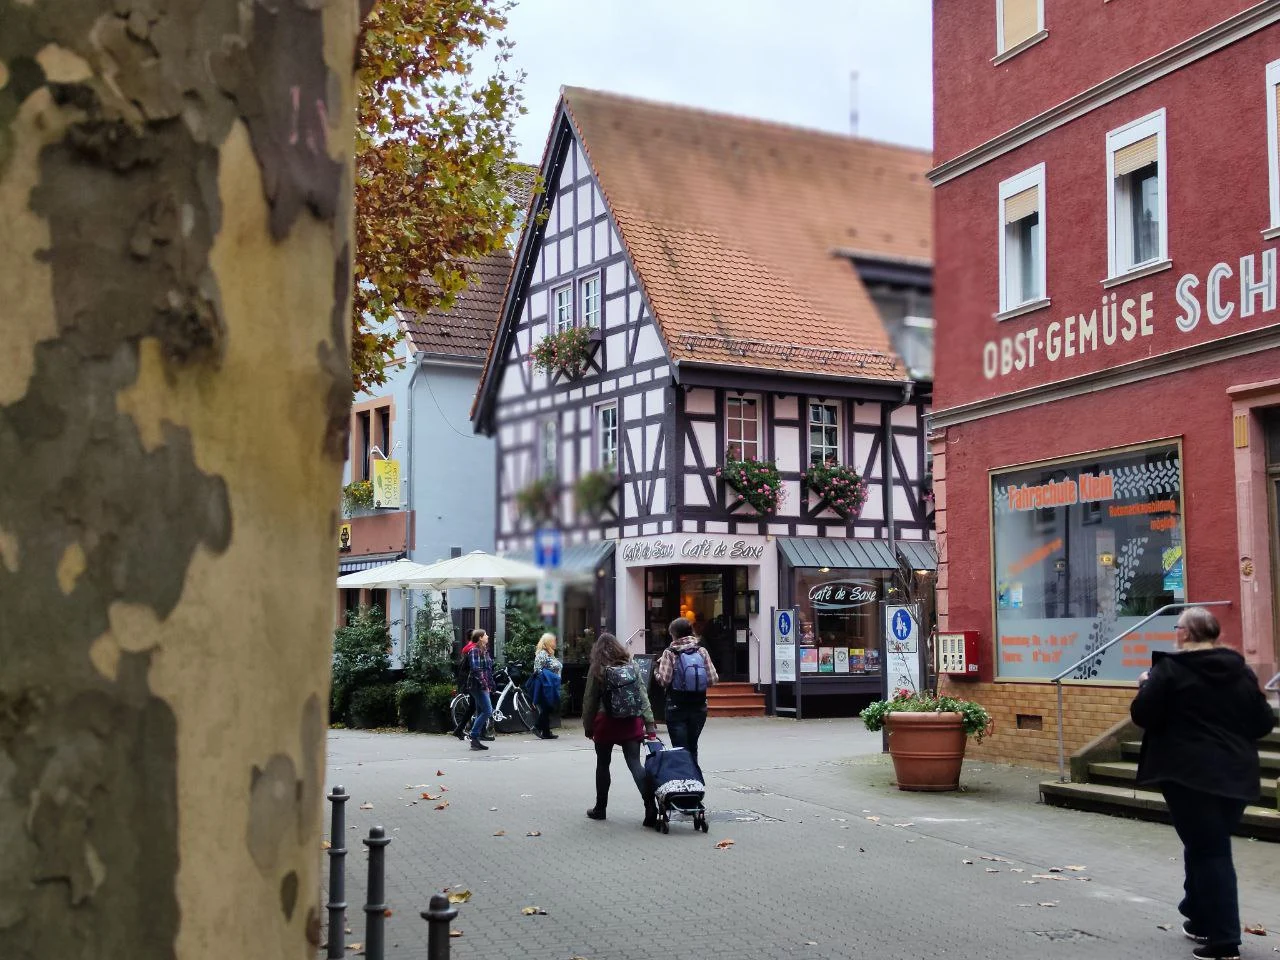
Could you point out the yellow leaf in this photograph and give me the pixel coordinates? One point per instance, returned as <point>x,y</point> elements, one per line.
<point>460,896</point>
<point>442,806</point>
<point>455,933</point>
<point>500,833</point>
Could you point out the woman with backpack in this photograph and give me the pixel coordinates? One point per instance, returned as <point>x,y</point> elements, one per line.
<point>481,680</point>
<point>616,711</point>
<point>686,670</point>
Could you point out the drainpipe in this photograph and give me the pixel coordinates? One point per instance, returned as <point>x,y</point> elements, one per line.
<point>408,498</point>
<point>886,458</point>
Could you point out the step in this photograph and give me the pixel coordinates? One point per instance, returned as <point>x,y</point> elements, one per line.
<point>742,700</point>
<point>1269,759</point>
<point>1120,773</point>
<point>723,712</point>
<point>1258,822</point>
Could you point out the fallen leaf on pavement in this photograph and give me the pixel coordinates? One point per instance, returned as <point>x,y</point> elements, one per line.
<point>356,946</point>
<point>366,806</point>
<point>428,796</point>
<point>459,896</point>
<point>904,824</point>
<point>1162,926</point>
<point>811,943</point>
<point>724,844</point>
<point>968,862</point>
<point>1055,869</point>
<point>443,788</point>
<point>1030,881</point>
<point>996,859</point>
<point>455,933</point>
<point>1074,866</point>
<point>1084,879</point>
<point>1017,870</point>
<point>325,844</point>
<point>439,773</point>
<point>1049,903</point>
<point>1257,929</point>
<point>442,806</point>
<point>534,833</point>
<point>1048,876</point>
<point>533,911</point>
<point>500,833</point>
<point>493,809</point>
<point>992,870</point>
<point>874,819</point>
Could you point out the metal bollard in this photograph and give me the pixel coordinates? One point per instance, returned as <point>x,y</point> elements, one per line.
<point>375,910</point>
<point>337,904</point>
<point>438,914</point>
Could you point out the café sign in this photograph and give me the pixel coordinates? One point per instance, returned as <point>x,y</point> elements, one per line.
<point>842,594</point>
<point>691,549</point>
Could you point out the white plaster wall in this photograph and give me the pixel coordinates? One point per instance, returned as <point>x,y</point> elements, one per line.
<point>700,401</point>
<point>787,448</point>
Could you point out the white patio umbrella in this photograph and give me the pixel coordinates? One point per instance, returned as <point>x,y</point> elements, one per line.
<point>476,569</point>
<point>387,576</point>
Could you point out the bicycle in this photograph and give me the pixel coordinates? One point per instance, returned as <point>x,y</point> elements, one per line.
<point>461,707</point>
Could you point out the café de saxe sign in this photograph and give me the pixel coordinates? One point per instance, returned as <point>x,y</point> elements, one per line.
<point>692,549</point>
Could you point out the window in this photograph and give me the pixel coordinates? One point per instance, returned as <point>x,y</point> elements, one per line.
<point>1273,139</point>
<point>589,301</point>
<point>1022,248</point>
<point>824,433</point>
<point>384,431</point>
<point>1084,549</point>
<point>366,441</point>
<point>562,308</point>
<point>915,344</point>
<point>1137,201</point>
<point>1017,21</point>
<point>607,436</point>
<point>548,448</point>
<point>742,427</point>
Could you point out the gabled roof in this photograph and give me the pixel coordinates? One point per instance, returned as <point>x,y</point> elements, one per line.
<point>741,230</point>
<point>733,226</point>
<point>466,328</point>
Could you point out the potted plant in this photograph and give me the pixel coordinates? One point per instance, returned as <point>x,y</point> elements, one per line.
<point>756,482</point>
<point>593,493</point>
<point>927,736</point>
<point>537,501</point>
<point>840,487</point>
<point>568,351</point>
<point>357,495</point>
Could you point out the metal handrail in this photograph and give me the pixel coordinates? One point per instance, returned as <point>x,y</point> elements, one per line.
<point>751,635</point>
<point>1273,684</point>
<point>1057,680</point>
<point>634,633</point>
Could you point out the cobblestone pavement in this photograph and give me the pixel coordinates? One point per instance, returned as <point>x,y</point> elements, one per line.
<point>828,860</point>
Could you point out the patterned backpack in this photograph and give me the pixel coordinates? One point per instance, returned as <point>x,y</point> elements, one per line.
<point>621,694</point>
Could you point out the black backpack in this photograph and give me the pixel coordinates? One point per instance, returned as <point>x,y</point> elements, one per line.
<point>620,693</point>
<point>462,671</point>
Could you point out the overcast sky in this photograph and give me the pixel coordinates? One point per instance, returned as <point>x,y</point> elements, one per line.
<point>786,60</point>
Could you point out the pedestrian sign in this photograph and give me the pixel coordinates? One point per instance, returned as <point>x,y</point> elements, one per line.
<point>547,547</point>
<point>784,645</point>
<point>901,624</point>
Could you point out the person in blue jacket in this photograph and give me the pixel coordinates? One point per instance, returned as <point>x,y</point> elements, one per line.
<point>1203,714</point>
<point>546,684</point>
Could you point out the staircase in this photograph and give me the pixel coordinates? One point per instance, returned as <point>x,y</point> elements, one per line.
<point>734,700</point>
<point>1105,776</point>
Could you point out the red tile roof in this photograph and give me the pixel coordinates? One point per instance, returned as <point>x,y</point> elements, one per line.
<point>465,329</point>
<point>734,224</point>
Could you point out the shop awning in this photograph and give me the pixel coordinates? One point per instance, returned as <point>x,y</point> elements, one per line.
<point>366,562</point>
<point>919,554</point>
<point>836,554</point>
<point>576,559</point>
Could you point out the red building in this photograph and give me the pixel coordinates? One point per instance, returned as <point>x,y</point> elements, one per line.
<point>1106,438</point>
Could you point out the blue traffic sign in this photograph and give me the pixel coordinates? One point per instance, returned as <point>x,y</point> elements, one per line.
<point>784,623</point>
<point>901,624</point>
<point>548,544</point>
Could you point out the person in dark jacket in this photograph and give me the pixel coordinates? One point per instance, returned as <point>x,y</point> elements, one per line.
<point>1203,713</point>
<point>482,687</point>
<point>622,731</point>
<point>686,708</point>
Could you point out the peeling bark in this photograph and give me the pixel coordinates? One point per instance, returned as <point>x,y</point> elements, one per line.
<point>175,182</point>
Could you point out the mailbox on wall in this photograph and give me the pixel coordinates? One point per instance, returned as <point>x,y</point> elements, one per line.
<point>958,654</point>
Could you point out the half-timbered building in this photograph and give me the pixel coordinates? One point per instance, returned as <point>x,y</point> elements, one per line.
<point>699,301</point>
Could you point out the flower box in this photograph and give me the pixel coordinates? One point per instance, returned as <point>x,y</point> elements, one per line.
<point>754,482</point>
<point>568,351</point>
<point>839,487</point>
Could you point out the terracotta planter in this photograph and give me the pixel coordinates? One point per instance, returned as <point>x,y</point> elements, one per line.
<point>927,750</point>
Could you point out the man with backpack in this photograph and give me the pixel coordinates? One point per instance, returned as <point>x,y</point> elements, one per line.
<point>686,670</point>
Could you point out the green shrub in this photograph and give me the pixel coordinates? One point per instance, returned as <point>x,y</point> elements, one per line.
<point>524,627</point>
<point>360,658</point>
<point>374,706</point>
<point>438,698</point>
<point>411,700</point>
<point>430,652</point>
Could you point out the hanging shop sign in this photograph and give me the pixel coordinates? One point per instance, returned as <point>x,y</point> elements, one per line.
<point>386,484</point>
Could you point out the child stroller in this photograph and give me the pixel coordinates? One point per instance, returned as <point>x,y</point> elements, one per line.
<point>677,785</point>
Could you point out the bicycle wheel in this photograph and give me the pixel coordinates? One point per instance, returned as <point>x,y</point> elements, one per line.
<point>460,709</point>
<point>524,709</point>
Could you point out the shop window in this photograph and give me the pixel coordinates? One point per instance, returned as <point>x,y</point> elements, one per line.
<point>364,434</point>
<point>607,436</point>
<point>1017,22</point>
<point>1137,200</point>
<point>824,433</point>
<point>742,427</point>
<point>562,308</point>
<point>1273,140</point>
<point>1084,549</point>
<point>839,614</point>
<point>1022,239</point>
<point>589,301</point>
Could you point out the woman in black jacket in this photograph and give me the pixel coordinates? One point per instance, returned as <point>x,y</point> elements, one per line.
<point>1203,714</point>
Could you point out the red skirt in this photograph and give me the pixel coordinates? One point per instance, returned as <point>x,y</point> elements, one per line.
<point>613,730</point>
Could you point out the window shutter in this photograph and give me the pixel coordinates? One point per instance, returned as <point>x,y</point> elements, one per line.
<point>1021,21</point>
<point>1136,155</point>
<point>1022,205</point>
